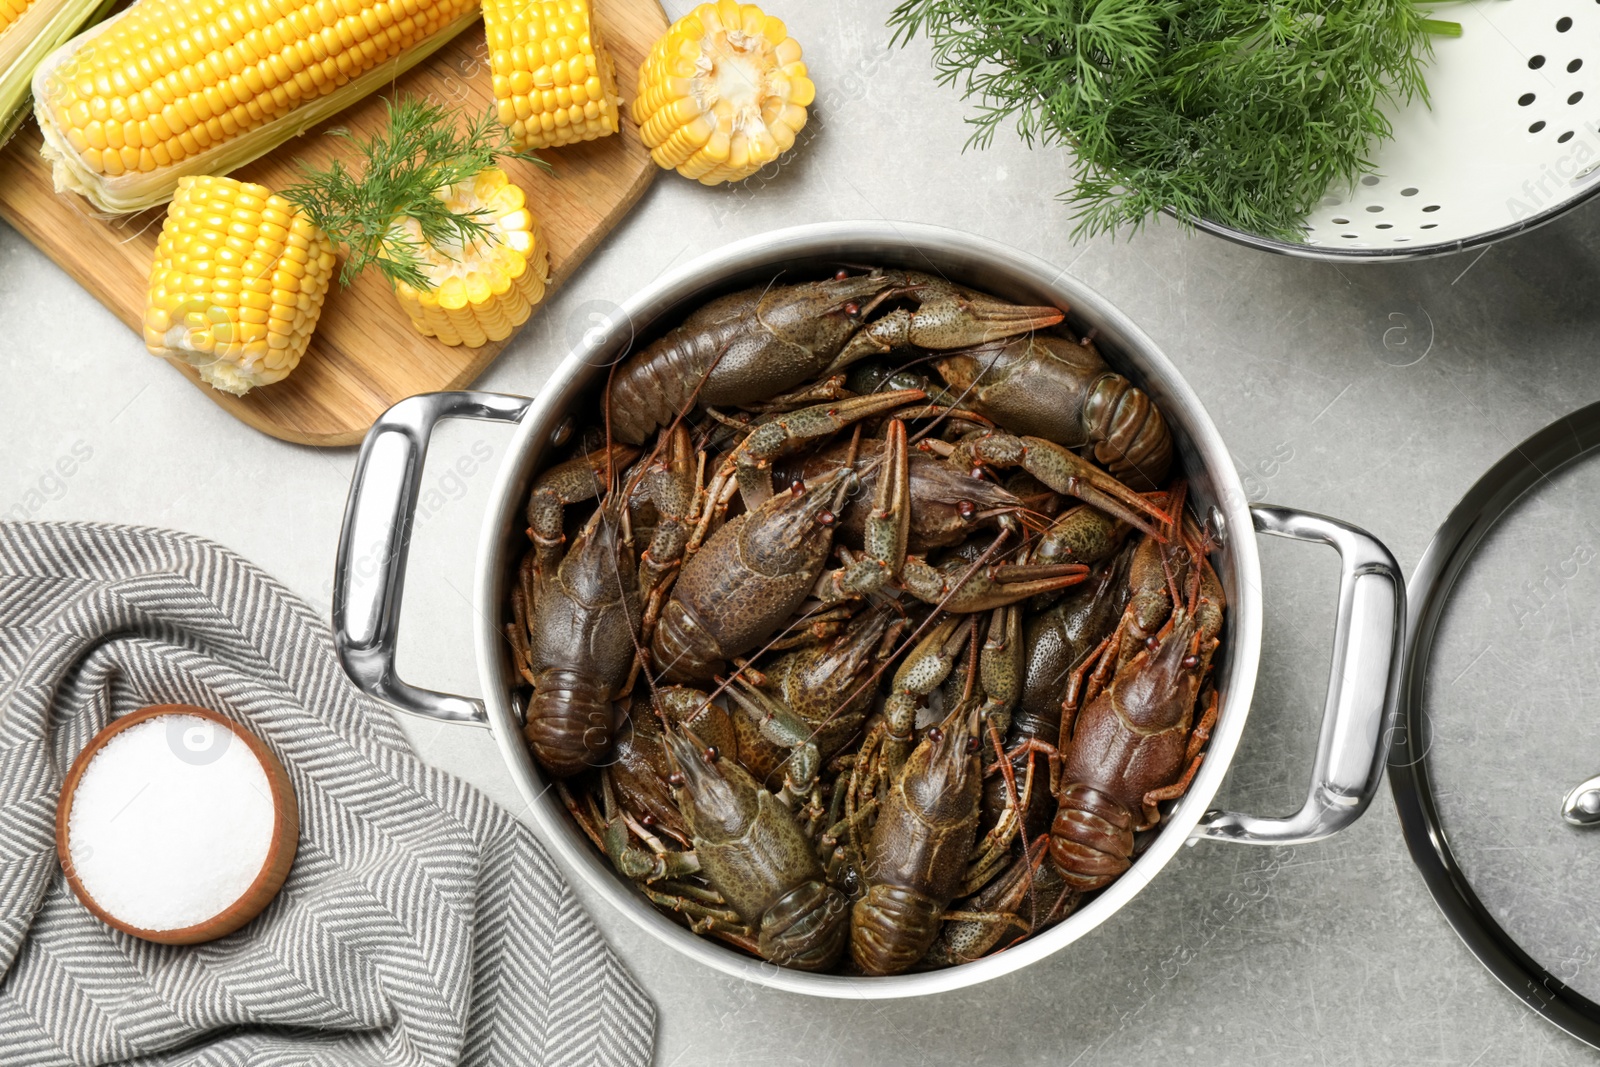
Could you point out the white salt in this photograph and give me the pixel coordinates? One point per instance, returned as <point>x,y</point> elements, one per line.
<point>171,822</point>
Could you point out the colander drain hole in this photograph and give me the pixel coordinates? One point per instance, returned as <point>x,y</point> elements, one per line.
<point>1378,209</point>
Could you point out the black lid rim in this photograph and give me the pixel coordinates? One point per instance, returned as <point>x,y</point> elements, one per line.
<point>1524,467</point>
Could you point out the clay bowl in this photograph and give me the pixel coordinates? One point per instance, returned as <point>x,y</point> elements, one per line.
<point>275,868</point>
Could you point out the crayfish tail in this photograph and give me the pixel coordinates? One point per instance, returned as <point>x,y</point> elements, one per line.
<point>807,929</point>
<point>1091,839</point>
<point>684,650</point>
<point>1130,436</point>
<point>651,388</point>
<point>569,723</point>
<point>892,928</point>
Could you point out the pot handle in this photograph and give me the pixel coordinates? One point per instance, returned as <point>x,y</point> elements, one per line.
<point>369,574</point>
<point>1362,689</point>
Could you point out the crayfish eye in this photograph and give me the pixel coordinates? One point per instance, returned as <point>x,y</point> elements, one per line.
<point>1191,662</point>
<point>826,518</point>
<point>711,753</point>
<point>798,487</point>
<point>973,745</point>
<point>966,509</point>
<point>935,734</point>
<point>647,819</point>
<point>852,309</point>
<point>675,780</point>
<point>1151,643</point>
<point>840,276</point>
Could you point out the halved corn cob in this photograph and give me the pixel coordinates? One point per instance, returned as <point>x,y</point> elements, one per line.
<point>237,284</point>
<point>554,83</point>
<point>29,31</point>
<point>175,87</point>
<point>723,93</point>
<point>484,291</point>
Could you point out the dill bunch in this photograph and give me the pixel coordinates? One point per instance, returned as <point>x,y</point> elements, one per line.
<point>423,151</point>
<point>1243,112</point>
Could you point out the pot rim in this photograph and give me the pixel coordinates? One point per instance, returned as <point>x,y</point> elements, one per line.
<point>851,241</point>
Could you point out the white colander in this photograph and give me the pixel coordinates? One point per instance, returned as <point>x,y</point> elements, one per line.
<point>1509,140</point>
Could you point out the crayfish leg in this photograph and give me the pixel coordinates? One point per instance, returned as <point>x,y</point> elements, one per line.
<point>888,526</point>
<point>1152,814</point>
<point>703,918</point>
<point>1197,740</point>
<point>927,666</point>
<point>581,478</point>
<point>754,457</point>
<point>1202,730</point>
<point>1000,668</point>
<point>1083,686</point>
<point>672,484</point>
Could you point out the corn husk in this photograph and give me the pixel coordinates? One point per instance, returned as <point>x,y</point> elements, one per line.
<point>39,32</point>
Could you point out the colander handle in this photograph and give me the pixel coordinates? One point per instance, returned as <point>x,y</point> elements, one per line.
<point>1362,689</point>
<point>369,574</point>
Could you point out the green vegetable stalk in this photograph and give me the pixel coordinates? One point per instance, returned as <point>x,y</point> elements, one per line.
<point>1243,112</point>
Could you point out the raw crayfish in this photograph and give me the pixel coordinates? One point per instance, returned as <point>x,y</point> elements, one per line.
<point>751,346</point>
<point>951,628</point>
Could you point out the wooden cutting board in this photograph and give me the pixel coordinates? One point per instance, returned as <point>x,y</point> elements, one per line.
<point>365,355</point>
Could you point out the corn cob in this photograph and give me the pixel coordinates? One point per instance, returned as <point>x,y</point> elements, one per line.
<point>553,80</point>
<point>723,93</point>
<point>484,291</point>
<point>175,87</point>
<point>29,31</point>
<point>237,284</point>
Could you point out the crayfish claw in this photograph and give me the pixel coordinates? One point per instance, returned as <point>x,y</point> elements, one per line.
<point>985,590</point>
<point>781,434</point>
<point>946,317</point>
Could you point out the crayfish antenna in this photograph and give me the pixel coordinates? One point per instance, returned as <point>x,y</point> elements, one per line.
<point>1175,541</point>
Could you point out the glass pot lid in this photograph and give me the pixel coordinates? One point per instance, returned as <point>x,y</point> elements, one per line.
<point>1498,730</point>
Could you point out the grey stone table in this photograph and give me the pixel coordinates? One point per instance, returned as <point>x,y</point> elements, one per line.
<point>1374,393</point>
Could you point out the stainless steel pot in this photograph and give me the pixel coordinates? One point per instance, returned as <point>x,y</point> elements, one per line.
<point>377,528</point>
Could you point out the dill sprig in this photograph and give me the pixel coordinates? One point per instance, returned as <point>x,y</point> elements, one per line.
<point>423,151</point>
<point>1243,112</point>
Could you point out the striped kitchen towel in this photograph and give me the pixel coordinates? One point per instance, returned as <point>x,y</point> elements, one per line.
<point>421,925</point>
